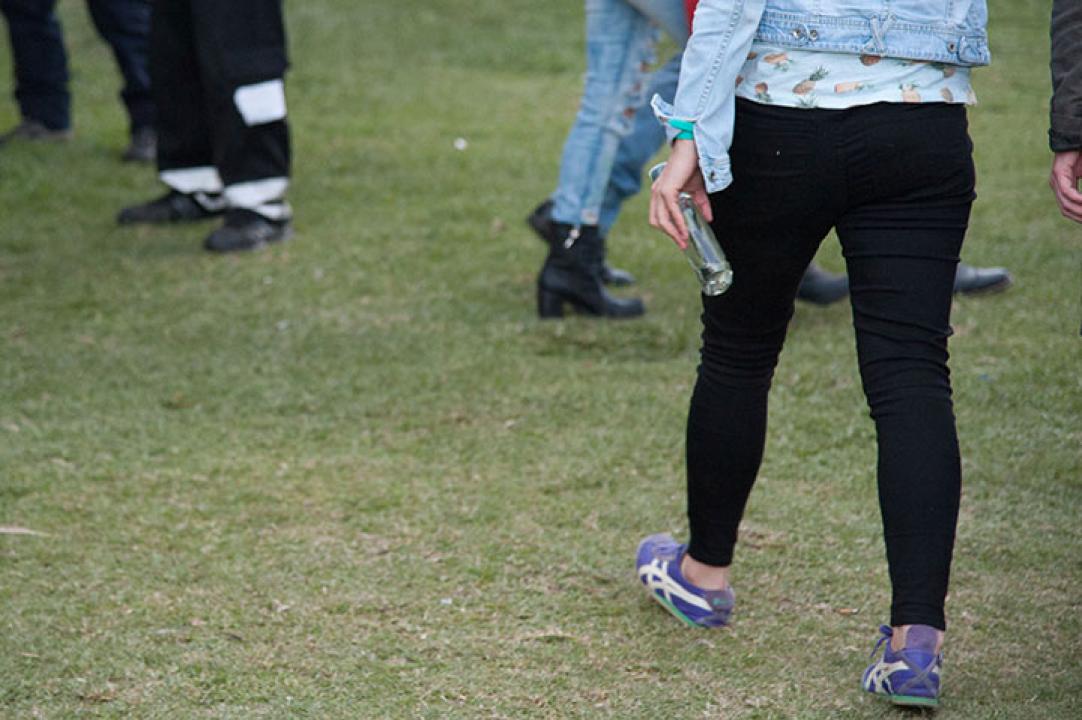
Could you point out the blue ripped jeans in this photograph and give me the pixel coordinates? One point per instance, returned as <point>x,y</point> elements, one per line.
<point>620,39</point>
<point>638,146</point>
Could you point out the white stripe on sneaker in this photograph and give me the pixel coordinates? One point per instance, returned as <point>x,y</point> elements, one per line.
<point>656,577</point>
<point>878,680</point>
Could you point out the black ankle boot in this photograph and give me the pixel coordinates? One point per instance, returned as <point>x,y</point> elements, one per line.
<point>541,222</point>
<point>821,287</point>
<point>572,275</point>
<point>970,280</point>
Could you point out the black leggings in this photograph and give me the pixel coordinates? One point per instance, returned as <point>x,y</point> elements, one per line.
<point>896,182</point>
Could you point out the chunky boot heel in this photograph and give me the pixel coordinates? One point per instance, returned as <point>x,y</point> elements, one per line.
<point>549,304</point>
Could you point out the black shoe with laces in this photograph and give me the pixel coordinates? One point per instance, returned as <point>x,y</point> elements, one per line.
<point>247,230</point>
<point>173,207</point>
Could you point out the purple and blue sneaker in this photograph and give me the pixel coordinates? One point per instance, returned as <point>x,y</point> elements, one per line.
<point>658,566</point>
<point>909,676</point>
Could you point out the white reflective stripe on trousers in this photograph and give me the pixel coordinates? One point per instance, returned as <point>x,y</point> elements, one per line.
<point>193,180</point>
<point>261,103</point>
<point>261,196</point>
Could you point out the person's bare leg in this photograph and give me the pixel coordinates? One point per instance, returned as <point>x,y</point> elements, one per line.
<point>707,577</point>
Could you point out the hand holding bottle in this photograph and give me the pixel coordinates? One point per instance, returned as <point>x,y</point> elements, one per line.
<point>681,175</point>
<point>701,248</point>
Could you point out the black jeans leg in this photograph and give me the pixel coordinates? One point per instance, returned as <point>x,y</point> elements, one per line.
<point>901,267</point>
<point>902,235</point>
<point>770,222</point>
<point>41,63</point>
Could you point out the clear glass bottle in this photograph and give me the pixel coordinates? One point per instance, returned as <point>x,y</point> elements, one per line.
<point>703,252</point>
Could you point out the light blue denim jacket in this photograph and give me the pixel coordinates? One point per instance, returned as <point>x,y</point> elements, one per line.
<point>946,31</point>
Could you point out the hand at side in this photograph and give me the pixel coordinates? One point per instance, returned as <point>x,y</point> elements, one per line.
<point>681,174</point>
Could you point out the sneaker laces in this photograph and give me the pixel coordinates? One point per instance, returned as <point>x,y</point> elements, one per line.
<point>922,675</point>
<point>886,633</point>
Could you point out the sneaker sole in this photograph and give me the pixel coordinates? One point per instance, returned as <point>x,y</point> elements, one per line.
<point>904,700</point>
<point>675,611</point>
<point>913,701</point>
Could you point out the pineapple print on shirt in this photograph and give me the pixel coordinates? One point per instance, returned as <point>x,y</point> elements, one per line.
<point>778,60</point>
<point>910,93</point>
<point>806,86</point>
<point>811,79</point>
<point>847,87</point>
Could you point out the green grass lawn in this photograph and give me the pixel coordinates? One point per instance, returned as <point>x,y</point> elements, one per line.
<point>355,477</point>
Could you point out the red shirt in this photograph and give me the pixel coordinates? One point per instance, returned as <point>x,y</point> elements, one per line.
<point>690,5</point>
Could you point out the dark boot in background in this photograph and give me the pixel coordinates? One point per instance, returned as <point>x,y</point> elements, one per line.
<point>821,287</point>
<point>540,220</point>
<point>572,275</point>
<point>970,280</point>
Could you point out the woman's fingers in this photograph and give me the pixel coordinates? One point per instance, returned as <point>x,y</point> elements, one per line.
<point>681,174</point>
<point>665,213</point>
<point>659,218</point>
<point>672,202</point>
<point>702,201</point>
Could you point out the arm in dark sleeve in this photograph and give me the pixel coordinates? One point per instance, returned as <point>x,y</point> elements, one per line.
<point>1066,116</point>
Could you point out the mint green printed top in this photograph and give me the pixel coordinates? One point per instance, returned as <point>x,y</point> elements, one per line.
<point>816,79</point>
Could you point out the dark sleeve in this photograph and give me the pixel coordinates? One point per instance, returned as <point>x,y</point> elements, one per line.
<point>1066,115</point>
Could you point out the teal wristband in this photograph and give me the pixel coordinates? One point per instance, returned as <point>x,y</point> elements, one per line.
<point>685,135</point>
<point>685,125</point>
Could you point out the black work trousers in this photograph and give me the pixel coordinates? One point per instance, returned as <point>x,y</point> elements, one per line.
<point>41,63</point>
<point>218,70</point>
<point>896,182</point>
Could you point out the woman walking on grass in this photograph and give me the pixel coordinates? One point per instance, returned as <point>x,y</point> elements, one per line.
<point>792,118</point>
